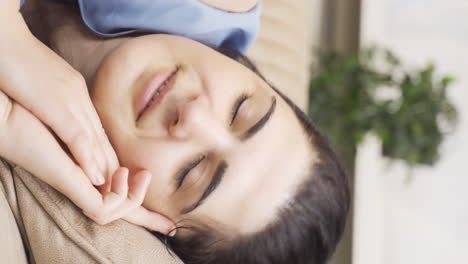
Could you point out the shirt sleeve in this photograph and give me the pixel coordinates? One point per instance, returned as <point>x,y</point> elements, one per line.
<point>188,18</point>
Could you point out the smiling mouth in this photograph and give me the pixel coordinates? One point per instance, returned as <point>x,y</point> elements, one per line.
<point>155,91</point>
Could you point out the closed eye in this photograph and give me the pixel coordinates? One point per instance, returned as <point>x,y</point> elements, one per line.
<point>186,171</point>
<point>236,107</point>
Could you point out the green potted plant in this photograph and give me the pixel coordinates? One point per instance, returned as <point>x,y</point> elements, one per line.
<point>371,91</point>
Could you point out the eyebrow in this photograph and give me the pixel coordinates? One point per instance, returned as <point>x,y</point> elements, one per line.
<point>215,181</point>
<point>223,165</point>
<point>261,123</point>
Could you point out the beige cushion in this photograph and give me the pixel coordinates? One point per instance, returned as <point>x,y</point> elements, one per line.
<point>283,52</point>
<point>11,245</point>
<point>54,230</point>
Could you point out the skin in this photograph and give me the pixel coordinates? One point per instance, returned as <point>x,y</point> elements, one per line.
<point>238,6</point>
<point>193,121</point>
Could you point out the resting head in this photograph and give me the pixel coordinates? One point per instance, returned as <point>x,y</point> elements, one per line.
<point>239,168</point>
<point>236,165</point>
<point>215,124</point>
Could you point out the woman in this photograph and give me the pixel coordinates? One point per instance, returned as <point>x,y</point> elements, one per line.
<point>213,134</point>
<point>239,169</point>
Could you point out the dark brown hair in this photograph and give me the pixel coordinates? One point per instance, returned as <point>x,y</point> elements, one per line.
<point>306,230</point>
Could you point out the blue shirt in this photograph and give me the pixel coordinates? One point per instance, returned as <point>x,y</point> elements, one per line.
<point>189,18</point>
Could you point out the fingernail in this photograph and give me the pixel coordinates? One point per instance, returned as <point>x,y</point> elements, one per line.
<point>99,179</point>
<point>173,232</point>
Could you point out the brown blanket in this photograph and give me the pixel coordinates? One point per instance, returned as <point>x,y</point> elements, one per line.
<point>55,231</point>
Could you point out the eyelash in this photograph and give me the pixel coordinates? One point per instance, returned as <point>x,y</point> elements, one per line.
<point>185,172</point>
<point>236,107</point>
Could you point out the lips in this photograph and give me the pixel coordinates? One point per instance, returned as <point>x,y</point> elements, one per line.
<point>155,91</point>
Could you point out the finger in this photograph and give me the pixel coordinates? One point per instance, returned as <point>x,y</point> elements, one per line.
<point>111,156</point>
<point>106,187</point>
<point>101,138</point>
<point>138,185</point>
<point>55,168</point>
<point>151,220</point>
<point>120,182</point>
<point>107,149</point>
<point>95,130</point>
<point>84,151</point>
<point>98,154</point>
<point>80,144</point>
<point>114,199</point>
<point>116,205</point>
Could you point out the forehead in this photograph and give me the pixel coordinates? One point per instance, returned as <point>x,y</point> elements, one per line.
<point>263,174</point>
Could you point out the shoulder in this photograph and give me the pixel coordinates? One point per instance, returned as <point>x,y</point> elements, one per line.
<point>239,6</point>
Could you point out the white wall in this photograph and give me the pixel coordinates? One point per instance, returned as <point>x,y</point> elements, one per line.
<point>422,219</point>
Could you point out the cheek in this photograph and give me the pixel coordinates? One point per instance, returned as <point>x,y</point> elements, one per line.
<point>158,201</point>
<point>137,158</point>
<point>223,89</point>
<point>226,86</point>
<point>162,160</point>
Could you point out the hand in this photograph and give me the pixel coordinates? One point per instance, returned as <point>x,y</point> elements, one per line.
<point>124,200</point>
<point>25,141</point>
<point>43,83</point>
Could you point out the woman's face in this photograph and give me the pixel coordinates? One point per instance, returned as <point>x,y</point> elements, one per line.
<point>220,143</point>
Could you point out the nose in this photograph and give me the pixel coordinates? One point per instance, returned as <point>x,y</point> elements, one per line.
<point>198,122</point>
